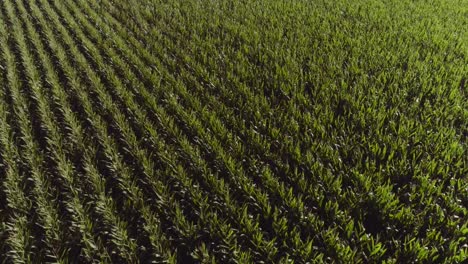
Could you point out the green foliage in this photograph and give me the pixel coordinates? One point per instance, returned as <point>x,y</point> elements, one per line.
<point>204,131</point>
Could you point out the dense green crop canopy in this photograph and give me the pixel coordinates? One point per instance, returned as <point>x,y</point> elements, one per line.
<point>221,131</point>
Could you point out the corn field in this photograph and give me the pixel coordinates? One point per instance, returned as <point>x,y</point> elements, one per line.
<point>220,131</point>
